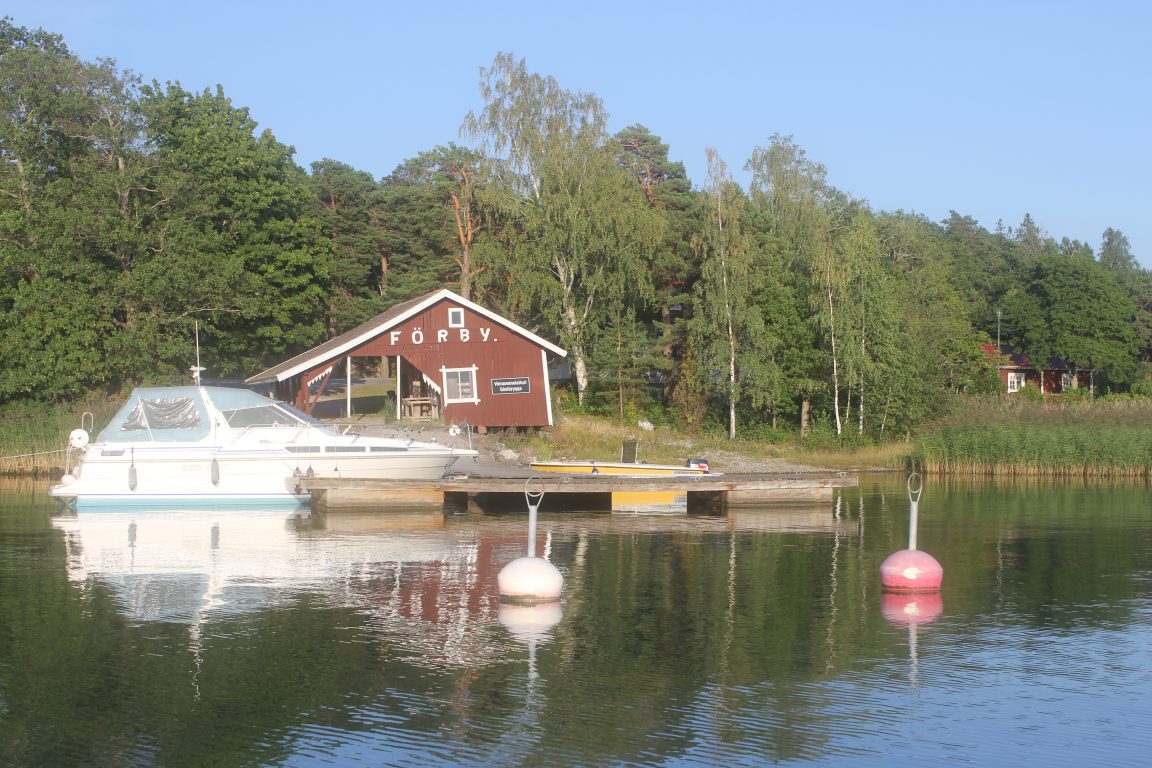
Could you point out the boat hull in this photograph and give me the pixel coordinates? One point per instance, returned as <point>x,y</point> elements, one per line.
<point>174,477</point>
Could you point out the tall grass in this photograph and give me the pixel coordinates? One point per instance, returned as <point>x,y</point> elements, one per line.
<point>33,439</point>
<point>1011,437</point>
<point>579,437</point>
<point>884,456</point>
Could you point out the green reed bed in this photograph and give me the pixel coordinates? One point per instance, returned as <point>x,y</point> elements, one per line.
<point>33,439</point>
<point>1091,439</point>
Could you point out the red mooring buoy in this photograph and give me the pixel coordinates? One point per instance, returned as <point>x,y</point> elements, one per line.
<point>911,570</point>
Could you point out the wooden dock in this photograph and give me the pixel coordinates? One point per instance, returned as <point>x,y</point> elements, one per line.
<point>707,494</point>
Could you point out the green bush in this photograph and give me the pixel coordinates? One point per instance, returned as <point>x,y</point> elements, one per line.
<point>1143,389</point>
<point>1031,394</point>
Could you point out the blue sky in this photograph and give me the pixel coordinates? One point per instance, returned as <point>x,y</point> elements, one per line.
<point>991,109</point>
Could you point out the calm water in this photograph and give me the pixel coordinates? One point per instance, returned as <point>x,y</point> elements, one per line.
<point>260,638</point>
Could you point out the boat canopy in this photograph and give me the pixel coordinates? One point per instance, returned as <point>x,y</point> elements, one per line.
<point>179,414</point>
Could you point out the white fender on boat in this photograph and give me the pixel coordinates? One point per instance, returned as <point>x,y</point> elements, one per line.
<point>78,438</point>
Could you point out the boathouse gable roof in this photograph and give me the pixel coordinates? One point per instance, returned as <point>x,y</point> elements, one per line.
<point>337,347</point>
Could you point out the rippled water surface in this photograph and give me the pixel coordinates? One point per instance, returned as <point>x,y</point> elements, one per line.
<point>254,638</point>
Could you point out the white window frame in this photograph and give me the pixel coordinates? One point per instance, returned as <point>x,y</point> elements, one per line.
<point>453,392</point>
<point>1016,381</point>
<point>1067,382</point>
<point>455,317</point>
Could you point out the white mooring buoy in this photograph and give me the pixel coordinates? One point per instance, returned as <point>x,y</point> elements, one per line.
<point>531,579</point>
<point>911,570</point>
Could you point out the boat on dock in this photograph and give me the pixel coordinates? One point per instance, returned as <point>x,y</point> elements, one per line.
<point>633,501</point>
<point>618,468</point>
<point>193,444</point>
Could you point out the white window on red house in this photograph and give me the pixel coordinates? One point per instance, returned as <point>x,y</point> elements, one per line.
<point>1015,382</point>
<point>1067,381</point>
<point>455,317</point>
<point>460,385</point>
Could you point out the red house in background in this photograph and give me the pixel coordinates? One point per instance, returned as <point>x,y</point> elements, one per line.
<point>455,361</point>
<point>1016,372</point>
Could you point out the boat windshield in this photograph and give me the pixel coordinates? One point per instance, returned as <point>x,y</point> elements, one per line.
<point>304,417</point>
<point>262,416</point>
<point>269,415</point>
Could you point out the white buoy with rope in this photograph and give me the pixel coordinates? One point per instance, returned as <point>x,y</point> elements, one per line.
<point>911,570</point>
<point>531,579</point>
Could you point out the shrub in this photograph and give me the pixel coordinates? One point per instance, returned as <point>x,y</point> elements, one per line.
<point>1031,394</point>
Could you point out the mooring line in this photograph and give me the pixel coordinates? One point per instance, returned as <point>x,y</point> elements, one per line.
<point>26,455</point>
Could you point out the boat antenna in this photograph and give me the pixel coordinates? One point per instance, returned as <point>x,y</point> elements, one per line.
<point>196,369</point>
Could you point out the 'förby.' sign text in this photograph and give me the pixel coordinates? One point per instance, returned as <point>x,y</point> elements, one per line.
<point>441,336</point>
<point>516,386</point>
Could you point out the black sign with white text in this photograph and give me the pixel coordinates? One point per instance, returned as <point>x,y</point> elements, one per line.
<point>516,386</point>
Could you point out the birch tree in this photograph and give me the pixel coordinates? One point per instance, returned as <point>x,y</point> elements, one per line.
<point>577,232</point>
<point>792,194</point>
<point>729,331</point>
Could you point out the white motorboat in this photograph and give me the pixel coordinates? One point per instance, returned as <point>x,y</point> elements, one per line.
<point>176,445</point>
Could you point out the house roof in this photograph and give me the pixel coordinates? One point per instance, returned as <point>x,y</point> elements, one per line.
<point>336,347</point>
<point>1020,360</point>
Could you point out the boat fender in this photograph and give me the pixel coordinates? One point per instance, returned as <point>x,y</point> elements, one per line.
<point>132,472</point>
<point>215,472</point>
<point>78,438</point>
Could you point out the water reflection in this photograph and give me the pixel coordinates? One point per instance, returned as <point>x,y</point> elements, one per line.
<point>912,611</point>
<point>179,565</point>
<point>276,639</point>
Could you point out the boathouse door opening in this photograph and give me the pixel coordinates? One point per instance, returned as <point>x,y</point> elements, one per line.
<point>417,396</point>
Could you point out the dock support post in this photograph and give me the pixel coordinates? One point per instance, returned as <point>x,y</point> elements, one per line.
<point>708,503</point>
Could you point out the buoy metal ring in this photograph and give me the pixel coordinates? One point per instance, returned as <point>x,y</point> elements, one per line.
<point>533,497</point>
<point>915,486</point>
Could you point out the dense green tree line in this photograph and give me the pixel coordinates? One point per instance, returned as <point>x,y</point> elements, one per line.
<point>133,213</point>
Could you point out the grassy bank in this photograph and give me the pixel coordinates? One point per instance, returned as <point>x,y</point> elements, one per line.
<point>581,438</point>
<point>1015,437</point>
<point>33,439</point>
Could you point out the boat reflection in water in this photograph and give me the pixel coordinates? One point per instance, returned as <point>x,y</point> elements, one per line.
<point>171,565</point>
<point>422,583</point>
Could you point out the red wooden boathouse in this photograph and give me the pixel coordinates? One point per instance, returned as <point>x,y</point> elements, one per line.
<point>455,361</point>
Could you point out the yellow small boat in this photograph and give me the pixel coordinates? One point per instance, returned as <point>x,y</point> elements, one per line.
<point>631,500</point>
<point>618,468</point>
